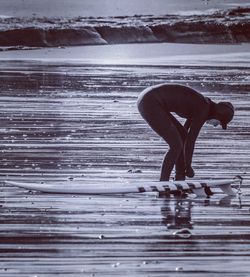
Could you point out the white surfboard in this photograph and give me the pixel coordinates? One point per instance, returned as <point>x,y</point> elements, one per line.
<point>200,188</point>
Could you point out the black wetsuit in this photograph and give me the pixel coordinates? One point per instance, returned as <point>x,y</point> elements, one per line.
<point>156,104</point>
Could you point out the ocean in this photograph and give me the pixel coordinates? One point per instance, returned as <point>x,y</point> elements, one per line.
<point>30,24</point>
<point>74,8</point>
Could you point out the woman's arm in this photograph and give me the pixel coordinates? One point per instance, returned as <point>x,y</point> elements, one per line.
<point>193,133</point>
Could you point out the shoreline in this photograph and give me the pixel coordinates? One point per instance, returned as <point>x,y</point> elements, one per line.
<point>139,54</point>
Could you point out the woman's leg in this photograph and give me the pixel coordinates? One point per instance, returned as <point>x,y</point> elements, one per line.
<point>180,164</point>
<point>161,122</point>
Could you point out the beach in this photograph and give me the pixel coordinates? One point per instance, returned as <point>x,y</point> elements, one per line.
<point>69,115</point>
<point>70,75</point>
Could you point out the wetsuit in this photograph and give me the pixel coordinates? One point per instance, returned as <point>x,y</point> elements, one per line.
<point>156,104</point>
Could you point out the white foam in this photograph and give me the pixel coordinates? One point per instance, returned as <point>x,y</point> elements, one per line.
<point>3,16</point>
<point>196,12</point>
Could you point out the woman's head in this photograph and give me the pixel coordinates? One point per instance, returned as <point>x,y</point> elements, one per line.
<point>224,113</point>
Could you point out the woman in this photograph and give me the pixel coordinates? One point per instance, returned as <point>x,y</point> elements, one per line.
<point>156,104</point>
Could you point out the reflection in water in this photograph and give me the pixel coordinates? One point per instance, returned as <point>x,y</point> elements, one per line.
<point>177,211</point>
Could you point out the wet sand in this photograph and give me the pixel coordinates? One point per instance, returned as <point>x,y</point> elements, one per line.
<point>64,120</point>
<point>177,54</point>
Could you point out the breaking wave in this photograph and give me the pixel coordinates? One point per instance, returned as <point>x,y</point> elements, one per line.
<point>228,26</point>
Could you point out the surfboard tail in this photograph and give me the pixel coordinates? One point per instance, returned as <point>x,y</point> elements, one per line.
<point>227,189</point>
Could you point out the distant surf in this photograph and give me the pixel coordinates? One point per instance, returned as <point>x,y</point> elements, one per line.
<point>215,26</point>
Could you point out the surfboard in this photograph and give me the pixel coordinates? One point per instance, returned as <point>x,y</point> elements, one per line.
<point>198,187</point>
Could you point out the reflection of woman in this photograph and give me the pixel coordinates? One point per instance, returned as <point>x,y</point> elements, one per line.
<point>156,103</point>
<point>177,213</point>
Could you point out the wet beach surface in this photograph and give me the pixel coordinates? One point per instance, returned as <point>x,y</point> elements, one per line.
<point>72,122</point>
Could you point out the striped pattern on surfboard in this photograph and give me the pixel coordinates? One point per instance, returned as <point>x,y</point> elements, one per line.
<point>200,188</point>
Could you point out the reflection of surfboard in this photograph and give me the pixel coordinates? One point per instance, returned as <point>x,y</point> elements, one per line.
<point>200,188</point>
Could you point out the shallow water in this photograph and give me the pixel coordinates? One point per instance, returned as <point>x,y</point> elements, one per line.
<point>146,55</point>
<point>62,121</point>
